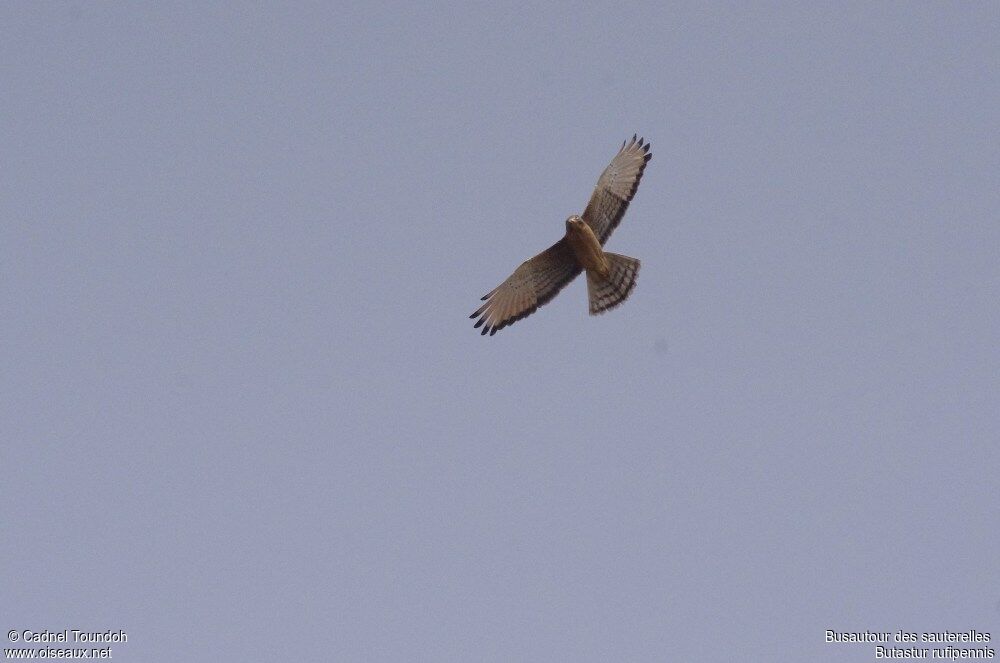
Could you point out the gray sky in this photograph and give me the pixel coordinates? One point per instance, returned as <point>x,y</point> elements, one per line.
<point>245,415</point>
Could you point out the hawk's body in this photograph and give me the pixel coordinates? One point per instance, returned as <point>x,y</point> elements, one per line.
<point>610,277</point>
<point>586,247</point>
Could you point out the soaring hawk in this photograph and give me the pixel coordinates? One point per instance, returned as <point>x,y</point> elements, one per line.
<point>610,277</point>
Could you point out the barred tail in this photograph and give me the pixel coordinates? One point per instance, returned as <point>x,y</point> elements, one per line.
<point>607,293</point>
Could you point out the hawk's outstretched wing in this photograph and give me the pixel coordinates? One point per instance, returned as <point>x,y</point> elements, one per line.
<point>532,284</point>
<point>615,188</point>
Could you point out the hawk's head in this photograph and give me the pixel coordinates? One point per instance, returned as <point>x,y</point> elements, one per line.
<point>574,223</point>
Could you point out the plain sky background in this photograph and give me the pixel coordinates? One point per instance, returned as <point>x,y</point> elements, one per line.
<point>244,413</point>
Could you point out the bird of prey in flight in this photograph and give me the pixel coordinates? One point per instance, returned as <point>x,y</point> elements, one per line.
<point>610,277</point>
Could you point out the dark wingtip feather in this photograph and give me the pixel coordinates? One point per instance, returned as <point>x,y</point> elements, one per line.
<point>479,324</point>
<point>493,331</point>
